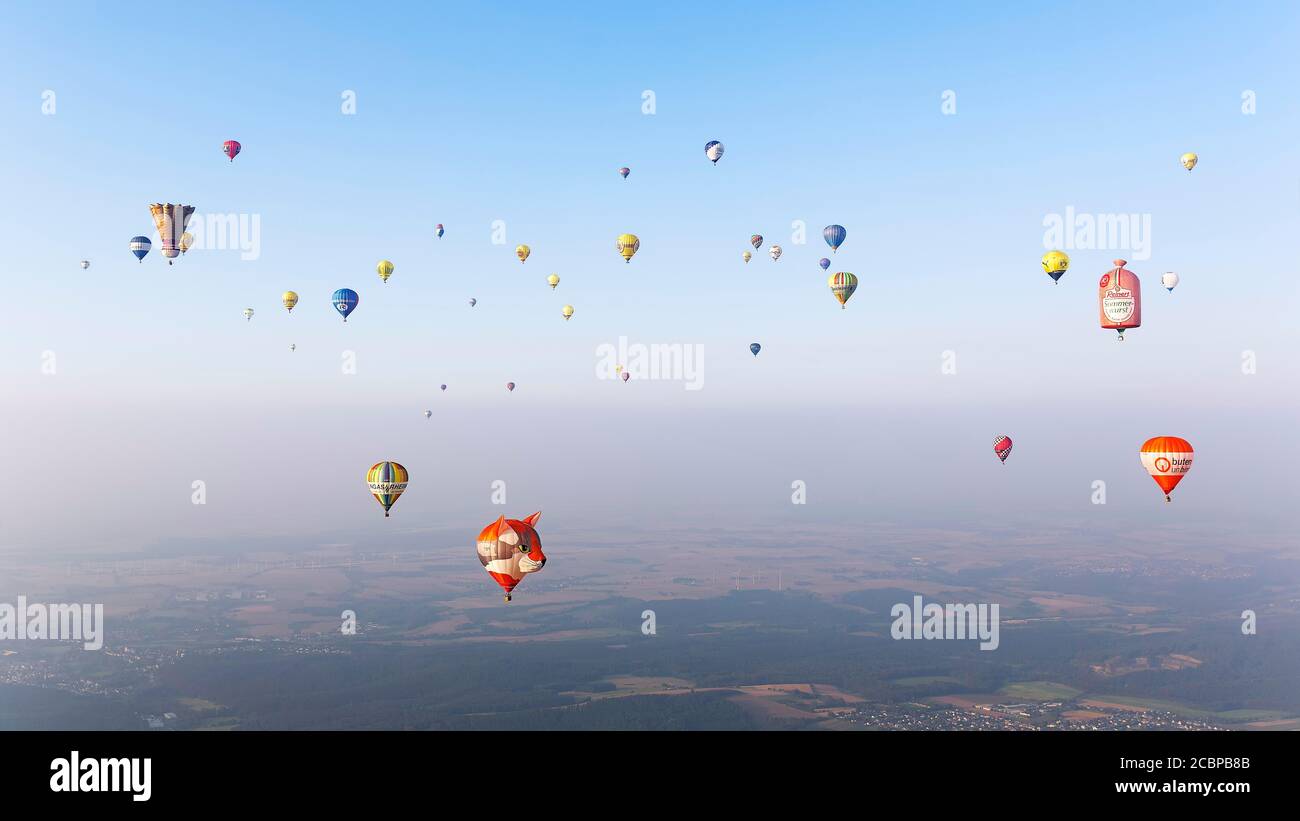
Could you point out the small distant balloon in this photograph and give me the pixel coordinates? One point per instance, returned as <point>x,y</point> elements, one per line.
<point>187,242</point>
<point>625,171</point>
<point>1055,264</point>
<point>746,256</point>
<point>444,387</point>
<point>428,413</point>
<point>824,263</point>
<point>345,301</point>
<point>522,251</point>
<point>553,280</point>
<point>292,347</point>
<point>756,240</point>
<point>438,230</point>
<point>834,236</point>
<point>387,481</point>
<point>289,299</point>
<point>627,245</point>
<point>472,302</point>
<point>510,386</point>
<point>775,252</point>
<point>385,269</point>
<point>231,149</point>
<point>1002,447</point>
<point>567,311</point>
<point>626,376</point>
<point>754,348</point>
<point>248,313</point>
<point>1189,160</point>
<point>85,263</point>
<point>714,150</point>
<point>842,285</point>
<point>140,246</point>
<point>1170,280</point>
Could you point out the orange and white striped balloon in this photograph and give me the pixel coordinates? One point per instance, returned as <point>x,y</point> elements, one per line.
<point>1167,459</point>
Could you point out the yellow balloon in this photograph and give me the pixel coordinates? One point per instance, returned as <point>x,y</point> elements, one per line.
<point>385,269</point>
<point>567,311</point>
<point>522,251</point>
<point>842,285</point>
<point>628,245</point>
<point>1055,263</point>
<point>747,256</point>
<point>290,299</point>
<point>553,280</point>
<point>1188,160</point>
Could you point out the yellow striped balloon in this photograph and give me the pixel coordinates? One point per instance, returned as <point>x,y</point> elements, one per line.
<point>385,269</point>
<point>290,299</point>
<point>842,286</point>
<point>387,481</point>
<point>628,245</point>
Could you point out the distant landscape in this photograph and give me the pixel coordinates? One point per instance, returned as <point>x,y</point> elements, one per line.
<point>752,631</point>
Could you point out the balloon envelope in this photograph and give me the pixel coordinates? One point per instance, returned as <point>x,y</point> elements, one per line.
<point>510,549</point>
<point>385,269</point>
<point>824,263</point>
<point>1002,447</point>
<point>714,150</point>
<point>438,230</point>
<point>624,171</point>
<point>842,285</point>
<point>1055,264</point>
<point>345,301</point>
<point>1169,279</point>
<point>834,236</point>
<point>140,246</point>
<point>754,348</point>
<point>627,245</point>
<point>1167,459</point>
<point>387,481</point>
<point>289,299</point>
<point>231,148</point>
<point>757,241</point>
<point>510,386</point>
<point>522,251</point>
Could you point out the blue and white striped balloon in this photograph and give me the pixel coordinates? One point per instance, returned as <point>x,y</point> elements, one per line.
<point>140,246</point>
<point>834,235</point>
<point>713,150</point>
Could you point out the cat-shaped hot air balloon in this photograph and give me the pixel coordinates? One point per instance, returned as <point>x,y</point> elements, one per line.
<point>510,548</point>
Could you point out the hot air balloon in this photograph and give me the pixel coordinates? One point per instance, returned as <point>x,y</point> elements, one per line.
<point>618,369</point>
<point>626,376</point>
<point>170,220</point>
<point>834,236</point>
<point>444,387</point>
<point>385,269</point>
<point>472,302</point>
<point>510,386</point>
<point>509,549</point>
<point>1055,263</point>
<point>553,280</point>
<point>1189,160</point>
<point>774,252</point>
<point>140,246</point>
<point>757,241</point>
<point>345,301</point>
<point>231,149</point>
<point>1002,447</point>
<point>186,242</point>
<point>292,347</point>
<point>248,313</point>
<point>290,299</point>
<point>627,245</point>
<point>1170,280</point>
<point>746,256</point>
<point>824,263</point>
<point>713,150</point>
<point>1119,295</point>
<point>567,311</point>
<point>1167,459</point>
<point>754,348</point>
<point>387,481</point>
<point>438,229</point>
<point>522,251</point>
<point>842,286</point>
<point>625,171</point>
<point>428,413</point>
<point>85,263</point>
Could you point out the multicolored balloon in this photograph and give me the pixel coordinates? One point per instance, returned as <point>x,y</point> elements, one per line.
<point>626,376</point>
<point>289,299</point>
<point>774,252</point>
<point>842,285</point>
<point>714,150</point>
<point>231,149</point>
<point>385,269</point>
<point>824,263</point>
<point>624,171</point>
<point>1055,264</point>
<point>834,236</point>
<point>1167,459</point>
<point>437,229</point>
<point>510,386</point>
<point>345,301</point>
<point>756,240</point>
<point>627,245</point>
<point>248,313</point>
<point>387,481</point>
<point>522,251</point>
<point>1119,299</point>
<point>754,348</point>
<point>509,549</point>
<point>1002,447</point>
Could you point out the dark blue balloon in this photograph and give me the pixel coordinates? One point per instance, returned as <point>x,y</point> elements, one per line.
<point>754,348</point>
<point>824,263</point>
<point>834,235</point>
<point>345,301</point>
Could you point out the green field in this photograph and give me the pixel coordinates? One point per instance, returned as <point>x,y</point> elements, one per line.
<point>1040,691</point>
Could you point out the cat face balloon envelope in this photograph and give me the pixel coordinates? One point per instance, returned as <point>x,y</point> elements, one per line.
<point>509,549</point>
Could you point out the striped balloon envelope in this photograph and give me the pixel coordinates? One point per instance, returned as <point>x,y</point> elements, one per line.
<point>140,246</point>
<point>387,481</point>
<point>834,236</point>
<point>1167,459</point>
<point>1002,447</point>
<point>842,285</point>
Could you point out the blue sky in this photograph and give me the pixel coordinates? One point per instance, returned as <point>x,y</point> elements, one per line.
<point>520,113</point>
